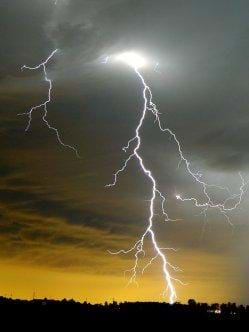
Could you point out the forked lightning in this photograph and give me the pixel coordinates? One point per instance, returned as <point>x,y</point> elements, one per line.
<point>230,203</point>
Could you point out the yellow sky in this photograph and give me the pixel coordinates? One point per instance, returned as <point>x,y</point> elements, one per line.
<point>208,279</point>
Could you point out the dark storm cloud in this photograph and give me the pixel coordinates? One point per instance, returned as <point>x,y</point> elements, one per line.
<point>35,202</point>
<point>6,169</point>
<point>204,44</point>
<point>40,230</point>
<point>22,33</point>
<point>203,51</point>
<point>50,242</point>
<point>202,94</point>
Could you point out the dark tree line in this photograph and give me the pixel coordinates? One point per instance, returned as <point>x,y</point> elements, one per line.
<point>70,310</point>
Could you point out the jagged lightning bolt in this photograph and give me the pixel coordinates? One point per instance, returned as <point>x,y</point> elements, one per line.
<point>43,66</point>
<point>139,245</point>
<point>135,61</point>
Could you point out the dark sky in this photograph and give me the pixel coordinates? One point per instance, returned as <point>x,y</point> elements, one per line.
<point>57,219</point>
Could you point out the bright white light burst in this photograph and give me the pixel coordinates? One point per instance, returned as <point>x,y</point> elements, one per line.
<point>132,59</point>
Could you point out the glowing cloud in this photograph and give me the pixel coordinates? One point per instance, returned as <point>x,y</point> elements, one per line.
<point>132,59</point>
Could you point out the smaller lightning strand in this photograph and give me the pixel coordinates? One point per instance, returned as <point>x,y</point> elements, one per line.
<point>223,208</point>
<point>44,105</point>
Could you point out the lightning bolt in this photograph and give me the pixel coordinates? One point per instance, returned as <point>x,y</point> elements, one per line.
<point>44,105</point>
<point>139,248</point>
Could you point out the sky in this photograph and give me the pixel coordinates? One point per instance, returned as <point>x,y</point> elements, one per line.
<point>57,218</point>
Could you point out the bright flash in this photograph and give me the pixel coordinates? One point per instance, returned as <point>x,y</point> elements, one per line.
<point>132,59</point>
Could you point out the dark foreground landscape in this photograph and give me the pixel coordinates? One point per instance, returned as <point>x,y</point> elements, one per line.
<point>42,311</point>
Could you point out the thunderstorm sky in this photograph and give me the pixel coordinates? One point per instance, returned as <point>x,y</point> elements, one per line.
<point>57,219</point>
